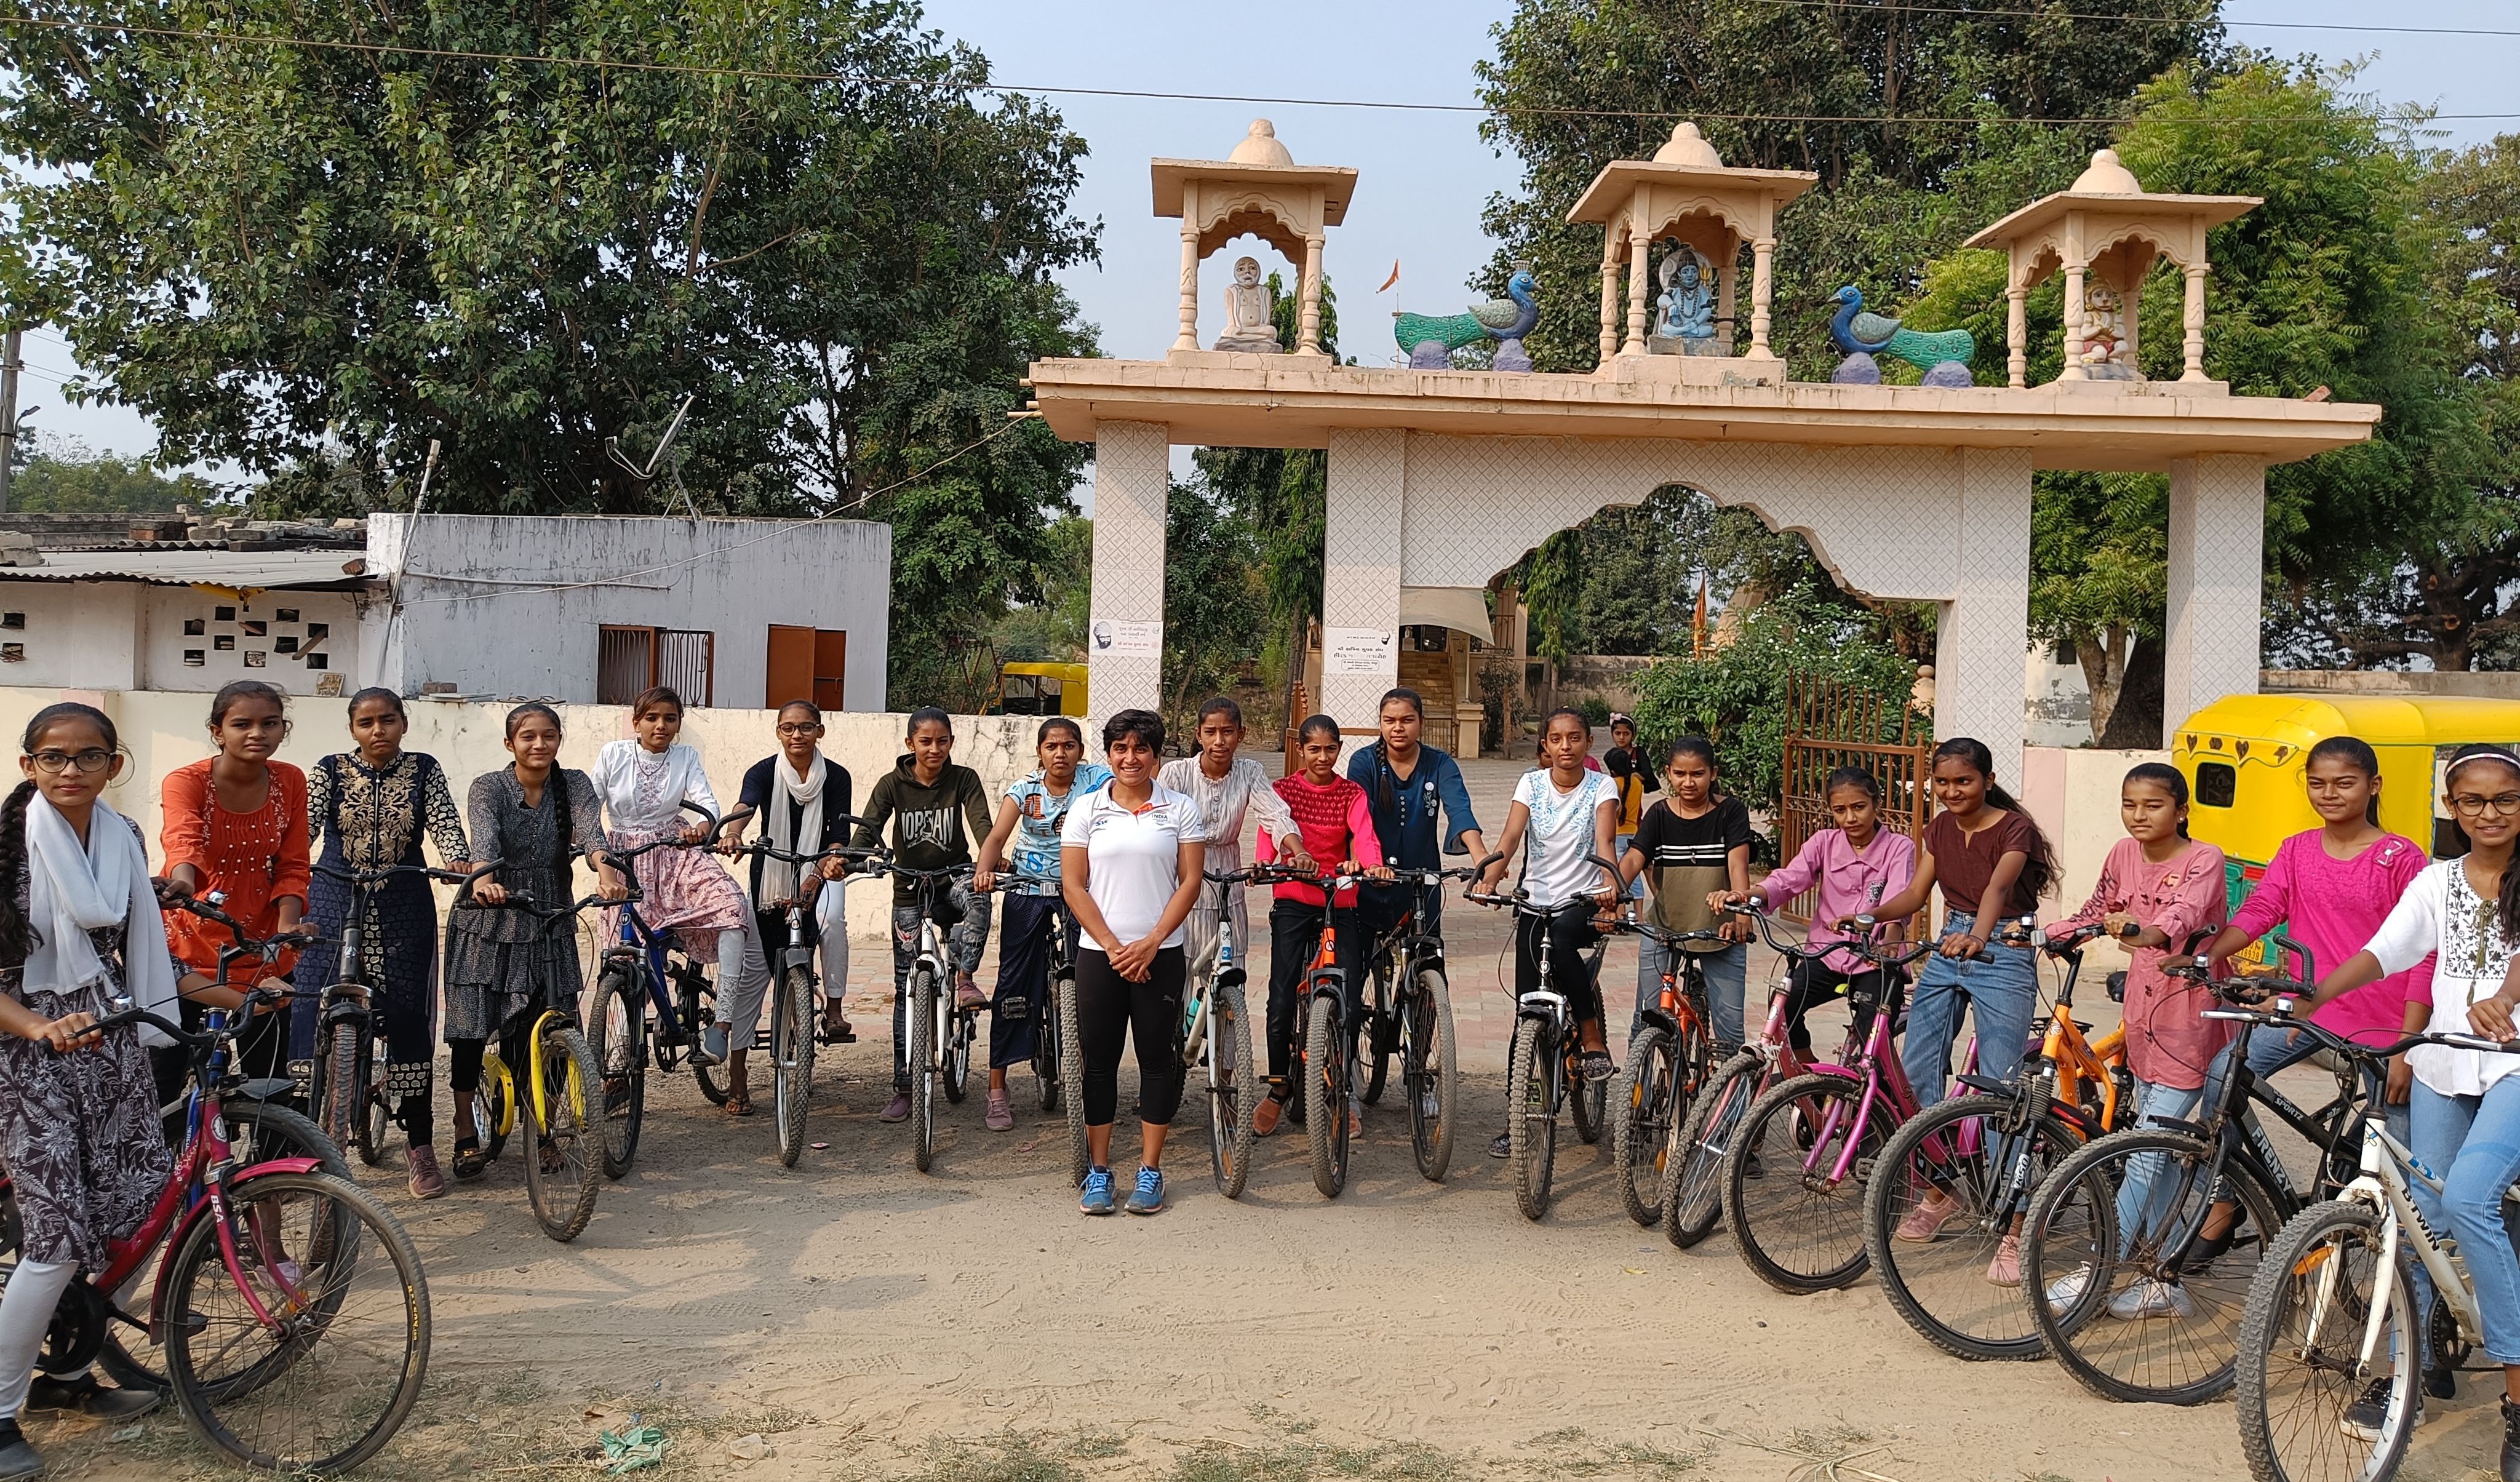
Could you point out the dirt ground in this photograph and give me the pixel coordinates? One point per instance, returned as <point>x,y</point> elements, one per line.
<point>864,1321</point>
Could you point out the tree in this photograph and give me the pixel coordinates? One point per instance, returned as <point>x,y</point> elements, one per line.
<point>1212,585</point>
<point>64,477</point>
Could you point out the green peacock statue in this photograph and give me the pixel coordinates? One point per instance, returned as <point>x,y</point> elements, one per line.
<point>1941,355</point>
<point>1430,338</point>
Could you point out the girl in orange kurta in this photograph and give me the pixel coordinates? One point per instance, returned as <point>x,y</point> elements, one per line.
<point>236,823</point>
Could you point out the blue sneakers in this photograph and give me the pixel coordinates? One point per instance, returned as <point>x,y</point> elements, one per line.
<point>1098,1193</point>
<point>1149,1197</point>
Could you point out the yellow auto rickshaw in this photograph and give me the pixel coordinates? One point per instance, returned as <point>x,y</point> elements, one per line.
<point>2243,757</point>
<point>1041,688</point>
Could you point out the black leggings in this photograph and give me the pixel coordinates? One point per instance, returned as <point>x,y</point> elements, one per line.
<point>1108,1008</point>
<point>464,1075</point>
<point>1814,982</point>
<point>1294,939</point>
<point>1570,935</point>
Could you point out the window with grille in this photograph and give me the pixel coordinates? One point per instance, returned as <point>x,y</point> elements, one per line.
<point>629,659</point>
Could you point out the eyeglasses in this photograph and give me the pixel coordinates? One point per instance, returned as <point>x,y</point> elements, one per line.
<point>792,728</point>
<point>58,762</point>
<point>2468,804</point>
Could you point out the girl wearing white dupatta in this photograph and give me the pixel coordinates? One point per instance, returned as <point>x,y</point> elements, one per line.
<point>802,798</point>
<point>79,1133</point>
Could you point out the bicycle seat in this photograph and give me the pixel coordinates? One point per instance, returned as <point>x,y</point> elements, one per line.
<point>270,1088</point>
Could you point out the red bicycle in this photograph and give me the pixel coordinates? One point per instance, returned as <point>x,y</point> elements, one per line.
<point>288,1305</point>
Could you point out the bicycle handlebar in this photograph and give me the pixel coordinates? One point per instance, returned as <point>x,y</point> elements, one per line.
<point>266,946</point>
<point>426,872</point>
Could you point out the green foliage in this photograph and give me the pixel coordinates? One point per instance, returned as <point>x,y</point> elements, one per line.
<point>69,480</point>
<point>1552,579</point>
<point>1212,593</point>
<point>1735,696</point>
<point>1051,629</point>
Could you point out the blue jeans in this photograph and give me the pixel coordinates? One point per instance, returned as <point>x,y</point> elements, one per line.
<point>1728,974</point>
<point>2472,1145</point>
<point>2003,987</point>
<point>2141,1206</point>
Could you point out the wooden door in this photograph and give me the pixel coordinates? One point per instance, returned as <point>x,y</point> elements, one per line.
<point>830,667</point>
<point>792,666</point>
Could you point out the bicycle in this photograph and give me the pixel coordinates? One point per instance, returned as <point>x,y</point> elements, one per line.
<point>1214,1036</point>
<point>1668,1059</point>
<point>2209,1198</point>
<point>1988,1151</point>
<point>1795,1178</point>
<point>647,968</point>
<point>289,1304</point>
<point>1410,1016</point>
<point>941,1032</point>
<point>1692,1191</point>
<point>1059,1072</point>
<point>1545,1058</point>
<point>796,1006</point>
<point>1327,1051</point>
<point>2320,1330</point>
<point>344,1090</point>
<point>561,1102</point>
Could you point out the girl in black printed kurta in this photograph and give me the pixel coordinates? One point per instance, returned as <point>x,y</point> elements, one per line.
<point>78,1111</point>
<point>367,809</point>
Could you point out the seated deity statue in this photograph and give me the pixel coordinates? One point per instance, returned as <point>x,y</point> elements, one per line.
<point>1250,313</point>
<point>1687,299</point>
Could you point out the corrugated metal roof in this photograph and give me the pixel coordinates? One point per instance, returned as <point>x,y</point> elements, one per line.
<point>258,570</point>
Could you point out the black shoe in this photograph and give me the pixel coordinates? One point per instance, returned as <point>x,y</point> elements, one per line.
<point>2441,1383</point>
<point>1501,1146</point>
<point>2510,1440</point>
<point>86,1397</point>
<point>2364,1418</point>
<point>19,1461</point>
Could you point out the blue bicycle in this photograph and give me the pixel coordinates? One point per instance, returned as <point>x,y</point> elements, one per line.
<point>644,970</point>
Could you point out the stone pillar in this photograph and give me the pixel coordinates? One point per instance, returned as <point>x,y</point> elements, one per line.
<point>1983,635</point>
<point>1609,294</point>
<point>1639,278</point>
<point>2016,337</point>
<point>1132,481</point>
<point>1763,288</point>
<point>1360,565</point>
<point>1308,319</point>
<point>2073,370</point>
<point>2218,523</point>
<point>2194,324</point>
<point>1187,338</point>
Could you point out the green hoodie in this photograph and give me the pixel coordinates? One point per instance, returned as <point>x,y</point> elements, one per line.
<point>934,825</point>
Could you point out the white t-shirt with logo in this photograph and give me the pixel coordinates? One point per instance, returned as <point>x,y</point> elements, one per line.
<point>1559,836</point>
<point>1133,857</point>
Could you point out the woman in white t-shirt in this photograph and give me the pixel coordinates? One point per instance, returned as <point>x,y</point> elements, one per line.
<point>1130,861</point>
<point>1562,813</point>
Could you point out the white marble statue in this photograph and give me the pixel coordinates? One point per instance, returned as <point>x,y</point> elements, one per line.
<point>1250,312</point>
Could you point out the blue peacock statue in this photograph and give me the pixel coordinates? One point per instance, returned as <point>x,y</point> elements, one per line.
<point>1432,339</point>
<point>1941,355</point>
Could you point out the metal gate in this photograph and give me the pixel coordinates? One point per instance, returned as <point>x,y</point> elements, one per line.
<point>1829,726</point>
<point>630,659</point>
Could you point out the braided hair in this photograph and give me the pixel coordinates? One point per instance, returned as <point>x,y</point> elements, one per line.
<point>2040,872</point>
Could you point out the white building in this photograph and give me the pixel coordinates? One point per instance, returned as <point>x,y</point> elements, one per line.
<point>186,618</point>
<point>589,610</point>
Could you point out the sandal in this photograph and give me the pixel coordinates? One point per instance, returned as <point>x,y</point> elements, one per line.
<point>469,1161</point>
<point>837,1030</point>
<point>739,1104</point>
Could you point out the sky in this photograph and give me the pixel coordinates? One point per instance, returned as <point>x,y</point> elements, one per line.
<point>1423,177</point>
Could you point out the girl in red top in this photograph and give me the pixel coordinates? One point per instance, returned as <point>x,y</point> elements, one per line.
<point>236,823</point>
<point>1334,824</point>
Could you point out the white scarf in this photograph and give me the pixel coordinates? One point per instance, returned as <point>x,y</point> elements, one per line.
<point>73,890</point>
<point>795,820</point>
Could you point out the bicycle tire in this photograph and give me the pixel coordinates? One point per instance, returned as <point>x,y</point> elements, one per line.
<point>1941,1286</point>
<point>700,997</point>
<point>2313,1264</point>
<point>1692,1195</point>
<point>493,1118</point>
<point>1590,1101</point>
<point>964,1030</point>
<point>1327,1084</point>
<point>1234,1091</point>
<point>377,1120</point>
<point>1048,1046</point>
<point>1377,1063</point>
<point>564,1197</point>
<point>1641,1133</point>
<point>617,1034</point>
<point>1531,1123</point>
<point>258,1132</point>
<point>1071,1078</point>
<point>1429,1076</point>
<point>922,1062</point>
<point>792,1061</point>
<point>2074,1216</point>
<point>1802,1232</point>
<point>339,1097</point>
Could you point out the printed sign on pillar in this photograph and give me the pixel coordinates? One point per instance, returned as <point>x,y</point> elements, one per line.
<point>1364,653</point>
<point>1128,640</point>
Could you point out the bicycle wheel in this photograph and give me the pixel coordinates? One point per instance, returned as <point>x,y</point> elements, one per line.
<point>1071,1080</point>
<point>617,1034</point>
<point>1234,1090</point>
<point>961,1030</point>
<point>1531,1123</point>
<point>1329,1086</point>
<point>258,1132</point>
<point>492,1115</point>
<point>564,1140</point>
<point>342,1090</point>
<point>792,1059</point>
<point>1971,1149</point>
<point>2143,1302</point>
<point>1798,1220</point>
<point>322,1383</point>
<point>1428,1073</point>
<point>700,1011</point>
<point>923,1069</point>
<point>1591,1099</point>
<point>1050,1045</point>
<point>1692,1195</point>
<point>2301,1351</point>
<point>1640,1136</point>
<point>1381,1037</point>
<point>376,1113</point>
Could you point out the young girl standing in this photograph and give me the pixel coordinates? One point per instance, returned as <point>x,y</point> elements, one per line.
<point>1031,816</point>
<point>1228,787</point>
<point>1332,825</point>
<point>502,966</point>
<point>1696,844</point>
<point>1560,814</point>
<point>235,822</point>
<point>645,781</point>
<point>802,798</point>
<point>78,1111</point>
<point>369,808</point>
<point>1856,866</point>
<point>1993,864</point>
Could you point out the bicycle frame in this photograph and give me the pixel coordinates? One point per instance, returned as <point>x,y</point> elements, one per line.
<point>2383,1184</point>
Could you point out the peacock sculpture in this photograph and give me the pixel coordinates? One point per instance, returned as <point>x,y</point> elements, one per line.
<point>1941,355</point>
<point>1432,339</point>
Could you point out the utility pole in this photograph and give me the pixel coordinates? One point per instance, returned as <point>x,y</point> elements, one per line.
<point>8,413</point>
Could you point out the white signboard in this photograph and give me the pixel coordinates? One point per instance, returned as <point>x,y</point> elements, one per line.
<point>1370,652</point>
<point>1129,640</point>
